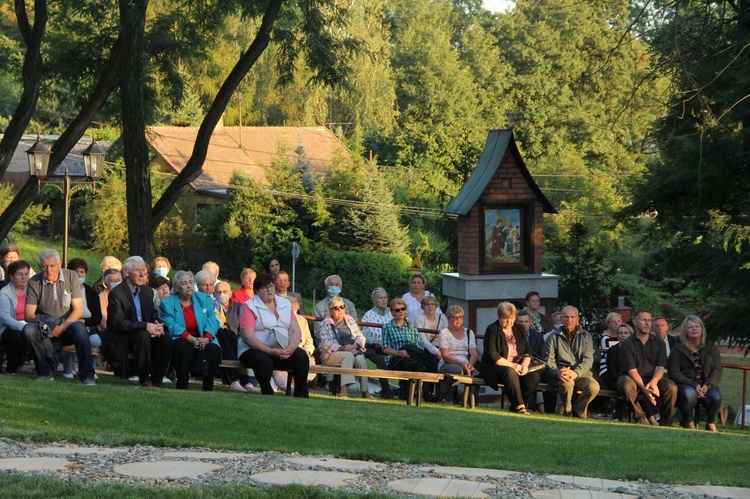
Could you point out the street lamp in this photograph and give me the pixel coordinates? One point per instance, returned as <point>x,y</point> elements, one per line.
<point>93,160</point>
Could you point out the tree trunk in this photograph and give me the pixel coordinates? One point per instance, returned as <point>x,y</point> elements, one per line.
<point>194,166</point>
<point>135,147</point>
<point>32,78</point>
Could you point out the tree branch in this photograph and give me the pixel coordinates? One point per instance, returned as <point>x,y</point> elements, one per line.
<point>67,140</point>
<point>194,166</point>
<point>32,79</point>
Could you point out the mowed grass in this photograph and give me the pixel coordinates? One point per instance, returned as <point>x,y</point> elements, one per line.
<point>115,413</point>
<point>39,486</point>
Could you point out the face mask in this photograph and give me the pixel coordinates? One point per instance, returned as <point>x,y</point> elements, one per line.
<point>113,285</point>
<point>81,279</point>
<point>223,299</point>
<point>161,271</point>
<point>334,290</point>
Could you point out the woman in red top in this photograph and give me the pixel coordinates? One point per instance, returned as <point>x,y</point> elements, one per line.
<point>190,319</point>
<point>246,292</point>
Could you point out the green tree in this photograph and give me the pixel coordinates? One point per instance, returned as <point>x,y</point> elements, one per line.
<point>257,223</point>
<point>374,224</point>
<point>584,276</point>
<point>696,191</point>
<point>582,99</point>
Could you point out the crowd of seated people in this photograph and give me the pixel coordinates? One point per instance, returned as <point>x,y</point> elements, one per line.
<point>148,324</point>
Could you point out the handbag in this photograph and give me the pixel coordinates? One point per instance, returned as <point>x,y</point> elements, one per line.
<point>278,338</point>
<point>199,365</point>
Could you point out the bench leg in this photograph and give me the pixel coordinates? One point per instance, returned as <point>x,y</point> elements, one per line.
<point>419,393</point>
<point>474,391</point>
<point>410,394</point>
<point>289,383</point>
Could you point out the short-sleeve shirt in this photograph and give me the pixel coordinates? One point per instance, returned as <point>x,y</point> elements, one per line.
<point>49,297</point>
<point>645,358</point>
<point>459,349</point>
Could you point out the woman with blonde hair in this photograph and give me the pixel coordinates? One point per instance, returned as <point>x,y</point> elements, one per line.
<point>246,292</point>
<point>695,365</point>
<point>506,359</point>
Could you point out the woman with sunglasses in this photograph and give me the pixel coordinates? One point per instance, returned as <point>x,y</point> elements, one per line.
<point>270,338</point>
<point>402,345</point>
<point>342,344</point>
<point>506,359</point>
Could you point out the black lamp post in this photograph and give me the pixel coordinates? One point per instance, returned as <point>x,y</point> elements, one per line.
<point>93,161</point>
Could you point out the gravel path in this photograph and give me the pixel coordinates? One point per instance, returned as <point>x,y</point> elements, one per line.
<point>91,465</point>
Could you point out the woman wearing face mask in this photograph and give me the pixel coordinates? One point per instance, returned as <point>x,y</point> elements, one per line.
<point>91,315</point>
<point>160,267</point>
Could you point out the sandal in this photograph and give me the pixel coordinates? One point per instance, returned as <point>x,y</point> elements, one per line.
<point>711,427</point>
<point>520,410</point>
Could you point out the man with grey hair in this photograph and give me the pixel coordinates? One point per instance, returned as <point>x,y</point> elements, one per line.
<point>133,326</point>
<point>53,309</point>
<point>333,287</point>
<point>205,280</point>
<point>569,354</point>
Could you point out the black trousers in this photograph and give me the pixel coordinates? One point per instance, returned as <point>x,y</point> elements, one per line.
<point>517,388</point>
<point>151,354</point>
<point>379,360</point>
<point>14,344</point>
<point>263,365</point>
<point>183,355</point>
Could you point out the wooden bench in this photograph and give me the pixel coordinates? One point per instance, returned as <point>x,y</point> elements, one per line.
<point>416,379</point>
<point>472,385</point>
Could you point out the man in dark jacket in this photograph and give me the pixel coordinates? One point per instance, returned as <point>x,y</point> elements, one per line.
<point>133,326</point>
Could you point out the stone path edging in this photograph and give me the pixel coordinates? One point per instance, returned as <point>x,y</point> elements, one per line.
<point>165,467</point>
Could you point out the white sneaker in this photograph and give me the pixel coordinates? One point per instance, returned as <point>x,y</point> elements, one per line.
<point>235,386</point>
<point>251,388</point>
<point>68,375</point>
<point>166,381</point>
<point>134,379</point>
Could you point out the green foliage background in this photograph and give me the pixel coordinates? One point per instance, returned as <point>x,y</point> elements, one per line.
<point>631,116</point>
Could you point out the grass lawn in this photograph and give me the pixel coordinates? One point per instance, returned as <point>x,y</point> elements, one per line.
<point>115,413</point>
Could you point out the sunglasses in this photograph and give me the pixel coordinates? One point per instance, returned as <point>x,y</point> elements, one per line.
<point>398,309</point>
<point>339,307</point>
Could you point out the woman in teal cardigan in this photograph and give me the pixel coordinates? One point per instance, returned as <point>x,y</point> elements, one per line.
<point>189,317</point>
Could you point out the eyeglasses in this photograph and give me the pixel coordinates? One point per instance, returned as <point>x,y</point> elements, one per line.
<point>398,309</point>
<point>338,307</point>
<point>456,317</point>
<point>270,287</point>
<point>431,304</point>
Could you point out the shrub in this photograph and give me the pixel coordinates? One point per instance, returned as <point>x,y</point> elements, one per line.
<point>360,272</point>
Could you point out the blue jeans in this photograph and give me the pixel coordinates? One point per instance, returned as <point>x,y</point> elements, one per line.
<point>46,361</point>
<point>687,400</point>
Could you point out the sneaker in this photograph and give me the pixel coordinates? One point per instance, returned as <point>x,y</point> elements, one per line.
<point>235,386</point>
<point>134,379</point>
<point>47,377</point>
<point>89,382</point>
<point>166,381</point>
<point>68,375</point>
<point>251,388</point>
